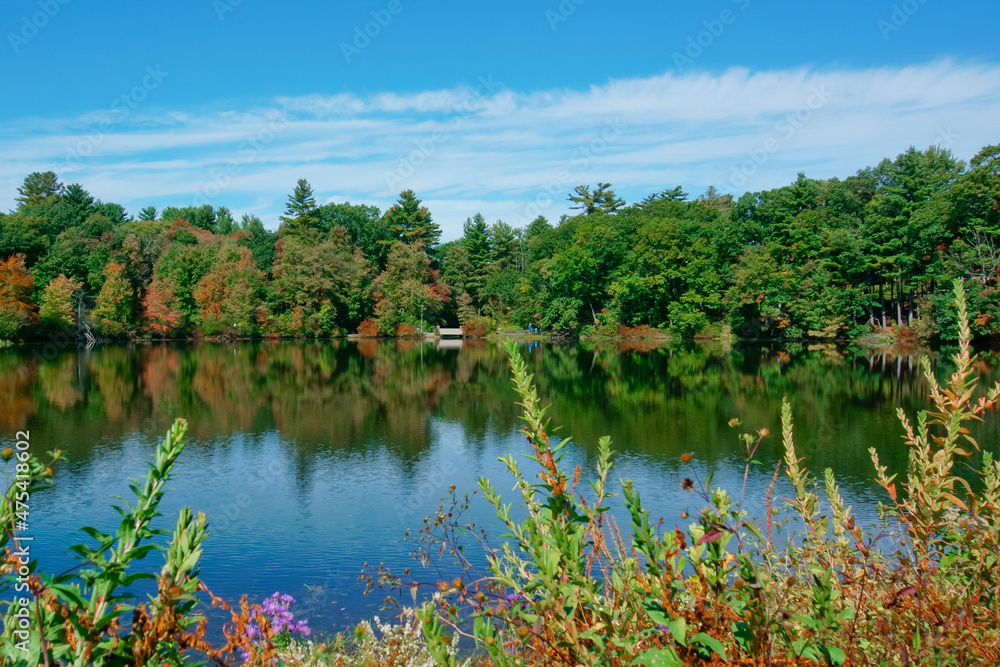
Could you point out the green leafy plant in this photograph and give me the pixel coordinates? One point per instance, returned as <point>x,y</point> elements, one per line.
<point>88,616</point>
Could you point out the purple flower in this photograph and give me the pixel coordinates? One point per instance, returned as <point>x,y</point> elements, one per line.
<point>281,619</point>
<point>513,598</point>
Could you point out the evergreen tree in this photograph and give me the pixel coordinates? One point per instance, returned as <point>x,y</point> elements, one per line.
<point>411,223</point>
<point>476,241</point>
<point>675,193</point>
<point>39,188</point>
<point>603,199</point>
<point>583,200</point>
<point>116,213</point>
<point>300,210</point>
<point>78,204</point>
<point>504,242</point>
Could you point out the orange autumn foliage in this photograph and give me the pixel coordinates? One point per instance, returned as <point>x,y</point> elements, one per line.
<point>15,290</point>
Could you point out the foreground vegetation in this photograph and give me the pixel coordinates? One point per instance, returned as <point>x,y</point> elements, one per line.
<point>802,585</point>
<point>817,258</point>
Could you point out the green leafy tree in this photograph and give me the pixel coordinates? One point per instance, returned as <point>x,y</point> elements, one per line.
<point>759,292</point>
<point>230,294</point>
<point>225,224</point>
<point>366,229</point>
<point>57,311</point>
<point>201,217</point>
<point>311,272</point>
<point>975,195</point>
<point>187,258</point>
<point>669,277</point>
<point>408,291</point>
<point>260,241</point>
<point>115,305</point>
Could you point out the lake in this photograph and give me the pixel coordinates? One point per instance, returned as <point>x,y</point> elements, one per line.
<point>313,458</point>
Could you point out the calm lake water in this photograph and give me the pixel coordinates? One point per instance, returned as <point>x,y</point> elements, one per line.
<point>312,458</point>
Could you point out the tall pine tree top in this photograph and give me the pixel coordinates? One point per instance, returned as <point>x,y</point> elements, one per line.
<point>38,188</point>
<point>300,210</point>
<point>410,222</point>
<point>603,199</point>
<point>476,239</point>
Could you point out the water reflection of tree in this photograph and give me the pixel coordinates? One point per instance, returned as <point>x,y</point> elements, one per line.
<point>17,380</point>
<point>340,395</point>
<point>58,381</point>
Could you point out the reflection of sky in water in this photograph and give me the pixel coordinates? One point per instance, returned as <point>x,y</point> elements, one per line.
<point>374,442</point>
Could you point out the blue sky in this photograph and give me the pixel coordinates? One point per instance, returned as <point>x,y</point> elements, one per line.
<point>494,107</point>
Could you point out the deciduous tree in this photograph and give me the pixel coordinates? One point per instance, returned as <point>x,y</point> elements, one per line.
<point>58,306</point>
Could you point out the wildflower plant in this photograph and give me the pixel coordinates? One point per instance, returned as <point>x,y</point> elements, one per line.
<point>87,616</point>
<point>280,626</point>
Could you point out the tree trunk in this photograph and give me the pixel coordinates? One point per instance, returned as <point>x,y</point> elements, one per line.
<point>910,313</point>
<point>899,304</point>
<point>881,298</point>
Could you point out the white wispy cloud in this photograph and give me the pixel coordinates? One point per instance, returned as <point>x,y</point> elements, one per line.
<point>512,154</point>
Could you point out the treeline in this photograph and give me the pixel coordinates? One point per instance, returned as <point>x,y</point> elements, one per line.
<point>874,252</point>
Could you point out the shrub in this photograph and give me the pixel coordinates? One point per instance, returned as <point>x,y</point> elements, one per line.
<point>368,328</point>
<point>641,331</point>
<point>477,327</point>
<point>406,331</point>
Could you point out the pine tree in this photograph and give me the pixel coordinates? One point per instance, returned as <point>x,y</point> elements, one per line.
<point>504,241</point>
<point>583,199</point>
<point>476,241</point>
<point>300,211</point>
<point>606,200</point>
<point>411,223</point>
<point>603,199</point>
<point>39,188</point>
<point>675,193</point>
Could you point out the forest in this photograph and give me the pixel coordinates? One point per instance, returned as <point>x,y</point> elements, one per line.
<point>872,254</point>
